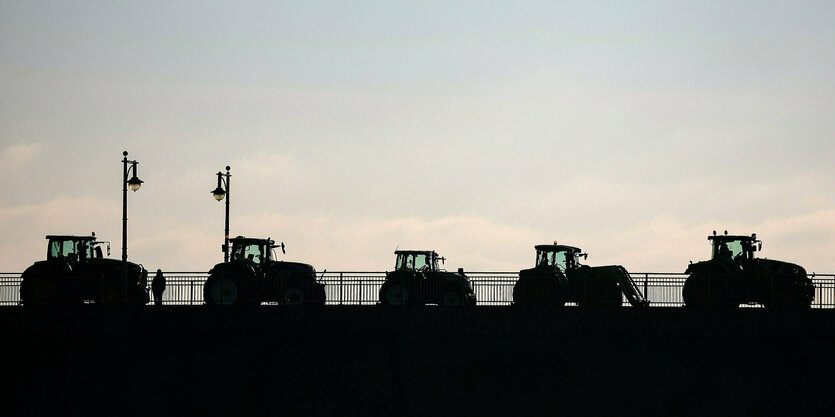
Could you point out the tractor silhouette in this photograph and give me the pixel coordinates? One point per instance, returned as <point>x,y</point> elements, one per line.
<point>417,279</point>
<point>558,278</point>
<point>734,276</point>
<point>253,275</point>
<point>75,271</point>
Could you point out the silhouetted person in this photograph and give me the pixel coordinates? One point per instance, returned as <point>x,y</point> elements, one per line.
<point>724,252</point>
<point>158,287</point>
<point>250,260</point>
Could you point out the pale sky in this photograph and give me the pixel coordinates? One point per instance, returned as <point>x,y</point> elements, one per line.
<point>477,129</point>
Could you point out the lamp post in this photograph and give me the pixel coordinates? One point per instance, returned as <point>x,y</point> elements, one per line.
<point>133,183</point>
<point>219,193</point>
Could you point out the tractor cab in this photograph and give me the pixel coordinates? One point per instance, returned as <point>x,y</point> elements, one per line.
<point>254,252</point>
<point>560,256</point>
<point>733,248</point>
<point>74,248</point>
<point>419,261</point>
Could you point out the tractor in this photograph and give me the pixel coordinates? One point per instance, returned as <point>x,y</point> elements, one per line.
<point>76,271</point>
<point>253,275</point>
<point>734,276</point>
<point>559,278</point>
<point>418,280</point>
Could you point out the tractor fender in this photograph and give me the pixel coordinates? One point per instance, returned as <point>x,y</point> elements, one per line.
<point>40,268</point>
<point>241,276</point>
<point>234,268</point>
<point>540,286</point>
<point>711,268</point>
<point>294,281</point>
<point>51,272</point>
<point>408,280</point>
<point>292,270</point>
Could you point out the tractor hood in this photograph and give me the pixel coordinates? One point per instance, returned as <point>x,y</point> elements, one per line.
<point>136,272</point>
<point>780,267</point>
<point>293,267</point>
<point>540,272</point>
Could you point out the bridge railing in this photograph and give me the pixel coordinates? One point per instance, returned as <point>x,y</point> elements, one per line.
<point>491,288</point>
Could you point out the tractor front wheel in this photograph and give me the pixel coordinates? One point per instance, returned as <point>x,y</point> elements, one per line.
<point>451,298</point>
<point>785,295</point>
<point>293,296</point>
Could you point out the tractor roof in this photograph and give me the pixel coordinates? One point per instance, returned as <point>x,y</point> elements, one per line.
<point>70,237</point>
<point>252,241</point>
<point>728,238</point>
<point>558,248</point>
<point>406,252</point>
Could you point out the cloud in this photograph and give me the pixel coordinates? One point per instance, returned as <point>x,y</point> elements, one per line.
<point>347,243</point>
<point>667,244</point>
<point>16,156</point>
<point>344,242</point>
<point>25,227</point>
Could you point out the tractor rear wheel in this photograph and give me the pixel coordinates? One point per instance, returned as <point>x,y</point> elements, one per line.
<point>45,283</point>
<point>709,291</point>
<point>41,291</point>
<point>696,292</point>
<point>222,291</point>
<point>395,294</point>
<point>538,291</point>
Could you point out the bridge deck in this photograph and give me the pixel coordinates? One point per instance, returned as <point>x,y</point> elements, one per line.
<point>373,360</point>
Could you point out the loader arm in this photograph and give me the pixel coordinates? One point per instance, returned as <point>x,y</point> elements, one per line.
<point>629,289</point>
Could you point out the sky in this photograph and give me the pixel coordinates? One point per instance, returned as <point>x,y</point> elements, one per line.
<point>475,128</point>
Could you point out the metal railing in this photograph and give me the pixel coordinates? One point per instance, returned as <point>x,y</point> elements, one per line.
<point>491,288</point>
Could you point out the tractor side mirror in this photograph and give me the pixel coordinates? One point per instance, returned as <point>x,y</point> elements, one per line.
<point>760,246</point>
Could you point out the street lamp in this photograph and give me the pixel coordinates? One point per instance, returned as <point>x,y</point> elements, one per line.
<point>219,193</point>
<point>133,183</point>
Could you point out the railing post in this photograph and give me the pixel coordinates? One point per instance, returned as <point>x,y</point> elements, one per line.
<point>191,293</point>
<point>646,292</point>
<point>820,299</point>
<point>340,288</point>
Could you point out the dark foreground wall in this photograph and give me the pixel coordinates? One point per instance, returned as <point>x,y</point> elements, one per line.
<point>370,360</point>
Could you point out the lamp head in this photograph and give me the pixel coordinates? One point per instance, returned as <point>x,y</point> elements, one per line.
<point>218,193</point>
<point>134,183</point>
